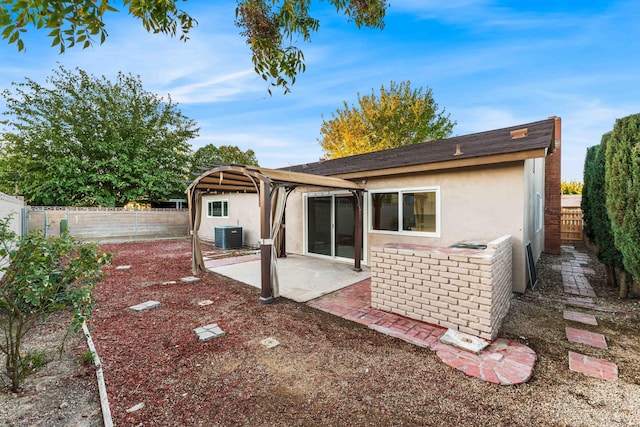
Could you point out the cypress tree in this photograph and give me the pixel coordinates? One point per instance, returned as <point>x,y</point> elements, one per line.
<point>622,188</point>
<point>585,203</point>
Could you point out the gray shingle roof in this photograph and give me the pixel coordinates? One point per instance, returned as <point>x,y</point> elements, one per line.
<point>499,141</point>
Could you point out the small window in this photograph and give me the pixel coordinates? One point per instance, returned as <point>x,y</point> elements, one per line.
<point>218,209</point>
<point>418,210</point>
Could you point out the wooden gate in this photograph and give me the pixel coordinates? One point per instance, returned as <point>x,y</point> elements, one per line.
<point>571,224</point>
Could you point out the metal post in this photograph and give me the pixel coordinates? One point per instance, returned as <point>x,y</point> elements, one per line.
<point>266,294</point>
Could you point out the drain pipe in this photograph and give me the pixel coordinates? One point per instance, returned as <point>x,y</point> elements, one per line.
<point>102,388</point>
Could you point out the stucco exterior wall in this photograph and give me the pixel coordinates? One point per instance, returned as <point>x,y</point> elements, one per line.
<point>475,204</point>
<point>244,211</point>
<point>11,205</point>
<point>462,289</point>
<point>534,207</point>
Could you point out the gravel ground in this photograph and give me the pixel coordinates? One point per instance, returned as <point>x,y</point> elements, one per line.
<point>326,370</point>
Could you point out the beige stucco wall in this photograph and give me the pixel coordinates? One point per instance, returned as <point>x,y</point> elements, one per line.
<point>476,204</point>
<point>244,211</point>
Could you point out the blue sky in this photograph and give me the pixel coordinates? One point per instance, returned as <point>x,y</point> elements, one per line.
<point>490,64</point>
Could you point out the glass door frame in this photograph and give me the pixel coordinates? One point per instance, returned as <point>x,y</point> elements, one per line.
<point>305,224</point>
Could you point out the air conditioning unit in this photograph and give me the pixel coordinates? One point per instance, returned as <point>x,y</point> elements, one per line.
<point>227,237</point>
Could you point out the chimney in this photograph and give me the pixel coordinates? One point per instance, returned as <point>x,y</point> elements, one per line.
<point>553,193</point>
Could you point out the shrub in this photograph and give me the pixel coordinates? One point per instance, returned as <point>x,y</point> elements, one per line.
<point>42,276</point>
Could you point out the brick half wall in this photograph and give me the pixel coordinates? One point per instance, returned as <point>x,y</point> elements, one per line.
<point>464,289</point>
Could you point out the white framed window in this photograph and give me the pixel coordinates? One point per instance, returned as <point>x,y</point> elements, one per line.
<point>218,209</point>
<point>406,211</point>
<point>538,213</point>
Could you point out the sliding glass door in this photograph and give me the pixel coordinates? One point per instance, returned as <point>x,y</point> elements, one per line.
<point>331,225</point>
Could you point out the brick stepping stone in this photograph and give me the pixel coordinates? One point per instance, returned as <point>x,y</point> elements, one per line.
<point>503,362</point>
<point>145,306</point>
<point>581,291</point>
<point>587,319</point>
<point>585,337</point>
<point>592,367</point>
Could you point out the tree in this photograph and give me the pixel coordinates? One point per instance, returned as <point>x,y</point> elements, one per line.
<point>85,141</point>
<point>597,223</point>
<point>398,116</point>
<point>40,276</point>
<point>572,187</point>
<point>271,27</point>
<point>210,156</point>
<point>622,184</point>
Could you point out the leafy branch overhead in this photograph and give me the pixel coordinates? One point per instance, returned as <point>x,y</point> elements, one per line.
<point>271,27</point>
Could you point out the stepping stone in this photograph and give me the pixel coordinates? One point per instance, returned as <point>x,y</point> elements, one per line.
<point>169,282</point>
<point>585,337</point>
<point>205,302</point>
<point>270,342</point>
<point>190,279</point>
<point>587,319</point>
<point>205,333</point>
<point>592,367</point>
<point>581,291</point>
<point>123,267</point>
<point>463,341</point>
<point>145,306</point>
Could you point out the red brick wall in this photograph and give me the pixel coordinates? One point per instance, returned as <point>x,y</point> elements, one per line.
<point>553,195</point>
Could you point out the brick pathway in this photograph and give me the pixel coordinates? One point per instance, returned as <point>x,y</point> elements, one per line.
<point>503,362</point>
<point>581,294</point>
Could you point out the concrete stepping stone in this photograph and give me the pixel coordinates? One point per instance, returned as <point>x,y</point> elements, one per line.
<point>190,279</point>
<point>463,341</point>
<point>587,319</point>
<point>585,337</point>
<point>593,367</point>
<point>145,306</point>
<point>205,302</point>
<point>208,332</point>
<point>123,267</point>
<point>270,342</point>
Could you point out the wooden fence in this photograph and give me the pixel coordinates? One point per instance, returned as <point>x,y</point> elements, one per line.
<point>571,224</point>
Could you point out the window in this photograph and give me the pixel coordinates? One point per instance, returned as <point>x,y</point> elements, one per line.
<point>218,208</point>
<point>418,210</point>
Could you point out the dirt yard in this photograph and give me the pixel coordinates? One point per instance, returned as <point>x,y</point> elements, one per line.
<point>326,370</point>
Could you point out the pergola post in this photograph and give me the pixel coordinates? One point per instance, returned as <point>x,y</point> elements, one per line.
<point>266,293</point>
<point>357,255</point>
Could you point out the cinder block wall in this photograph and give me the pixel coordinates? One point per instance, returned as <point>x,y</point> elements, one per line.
<point>113,224</point>
<point>463,289</point>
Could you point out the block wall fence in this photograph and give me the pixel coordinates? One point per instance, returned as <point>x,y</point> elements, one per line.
<point>464,289</point>
<point>112,224</point>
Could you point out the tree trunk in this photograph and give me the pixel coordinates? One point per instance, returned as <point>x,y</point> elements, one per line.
<point>611,276</point>
<point>622,282</point>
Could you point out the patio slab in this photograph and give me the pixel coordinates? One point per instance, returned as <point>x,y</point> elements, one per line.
<point>301,278</point>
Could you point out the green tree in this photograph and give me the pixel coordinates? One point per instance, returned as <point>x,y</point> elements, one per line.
<point>81,140</point>
<point>597,224</point>
<point>271,27</point>
<point>396,117</point>
<point>210,156</point>
<point>40,276</point>
<point>622,184</point>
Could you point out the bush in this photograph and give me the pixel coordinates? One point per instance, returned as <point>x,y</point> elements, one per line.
<point>42,276</point>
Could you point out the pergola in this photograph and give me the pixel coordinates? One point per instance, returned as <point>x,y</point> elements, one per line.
<point>272,187</point>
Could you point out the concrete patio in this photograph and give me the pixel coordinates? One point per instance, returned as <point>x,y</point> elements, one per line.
<point>301,278</point>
